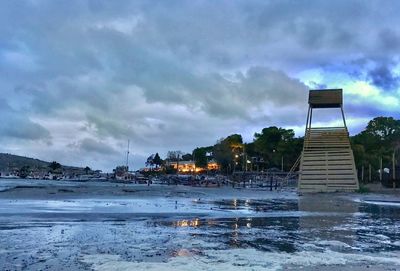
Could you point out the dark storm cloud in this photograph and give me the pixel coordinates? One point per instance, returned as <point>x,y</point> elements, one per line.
<point>159,72</point>
<point>390,39</point>
<point>91,145</point>
<point>383,77</point>
<point>368,110</point>
<point>17,125</point>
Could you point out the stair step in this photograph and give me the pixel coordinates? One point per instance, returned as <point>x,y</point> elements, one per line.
<point>327,162</point>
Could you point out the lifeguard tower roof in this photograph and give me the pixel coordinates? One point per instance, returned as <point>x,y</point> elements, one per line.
<point>325,98</point>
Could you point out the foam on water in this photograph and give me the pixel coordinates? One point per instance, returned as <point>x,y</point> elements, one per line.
<point>387,203</point>
<point>242,259</point>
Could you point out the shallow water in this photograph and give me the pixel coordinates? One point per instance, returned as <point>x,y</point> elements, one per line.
<point>276,232</point>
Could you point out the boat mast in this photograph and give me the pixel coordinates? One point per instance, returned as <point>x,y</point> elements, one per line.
<point>127,157</point>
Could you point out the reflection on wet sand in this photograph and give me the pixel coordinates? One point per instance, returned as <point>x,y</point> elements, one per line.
<point>243,230</point>
<point>326,215</point>
<point>187,223</point>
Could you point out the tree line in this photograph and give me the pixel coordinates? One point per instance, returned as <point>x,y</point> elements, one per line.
<point>279,148</point>
<point>377,145</point>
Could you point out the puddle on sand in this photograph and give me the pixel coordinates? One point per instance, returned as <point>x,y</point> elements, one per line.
<point>236,234</point>
<point>343,227</point>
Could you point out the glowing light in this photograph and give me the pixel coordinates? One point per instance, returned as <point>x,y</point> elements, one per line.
<point>234,203</point>
<point>189,166</point>
<point>187,223</point>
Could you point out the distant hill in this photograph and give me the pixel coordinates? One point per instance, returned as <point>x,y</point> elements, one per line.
<point>9,162</point>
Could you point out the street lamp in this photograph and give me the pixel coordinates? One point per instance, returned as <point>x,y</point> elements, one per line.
<point>235,162</point>
<point>248,162</point>
<point>208,155</point>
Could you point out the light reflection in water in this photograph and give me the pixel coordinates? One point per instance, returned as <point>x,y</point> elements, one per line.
<point>182,253</point>
<point>187,223</point>
<point>235,233</point>
<point>248,224</point>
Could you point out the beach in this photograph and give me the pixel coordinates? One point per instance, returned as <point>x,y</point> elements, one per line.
<point>59,225</point>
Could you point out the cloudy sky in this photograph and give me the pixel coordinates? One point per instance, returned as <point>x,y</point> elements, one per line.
<point>80,78</point>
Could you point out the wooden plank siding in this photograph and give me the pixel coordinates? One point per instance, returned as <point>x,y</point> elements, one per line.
<point>327,162</point>
<point>327,98</point>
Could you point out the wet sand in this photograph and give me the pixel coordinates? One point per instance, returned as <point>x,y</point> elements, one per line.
<point>44,189</point>
<point>47,225</point>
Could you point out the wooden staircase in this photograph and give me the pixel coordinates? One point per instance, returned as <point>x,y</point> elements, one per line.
<point>327,162</point>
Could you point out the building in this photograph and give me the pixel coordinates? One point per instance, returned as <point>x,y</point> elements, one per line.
<point>190,167</point>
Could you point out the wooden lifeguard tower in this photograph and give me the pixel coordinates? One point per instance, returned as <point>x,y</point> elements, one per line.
<point>327,161</point>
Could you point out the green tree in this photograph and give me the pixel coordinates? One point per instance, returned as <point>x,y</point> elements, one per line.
<point>200,157</point>
<point>150,161</point>
<point>291,151</point>
<point>157,160</point>
<point>385,128</point>
<point>24,172</point>
<point>359,155</point>
<point>379,140</point>
<point>226,152</point>
<point>187,157</point>
<point>87,169</point>
<point>251,155</point>
<point>367,149</point>
<point>273,143</point>
<point>223,155</point>
<point>174,155</point>
<point>234,139</point>
<point>54,166</point>
<point>170,170</point>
